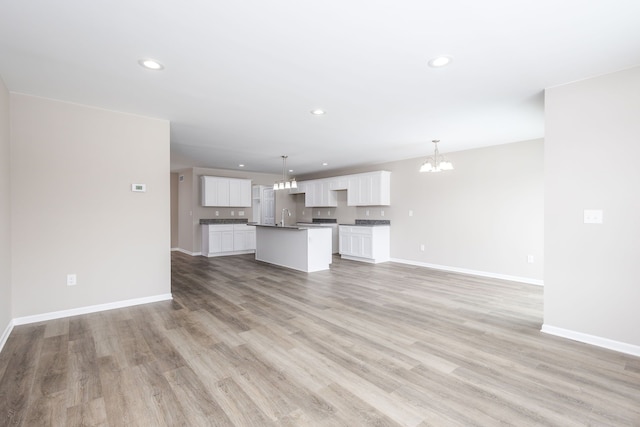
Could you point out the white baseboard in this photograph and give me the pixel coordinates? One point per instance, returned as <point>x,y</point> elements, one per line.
<point>184,251</point>
<point>527,280</point>
<point>5,335</point>
<point>89,309</point>
<point>621,347</point>
<point>231,253</point>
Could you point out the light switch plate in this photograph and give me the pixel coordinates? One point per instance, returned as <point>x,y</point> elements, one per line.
<point>593,216</point>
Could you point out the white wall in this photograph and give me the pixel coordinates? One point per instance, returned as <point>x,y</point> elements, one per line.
<point>486,215</point>
<point>591,162</point>
<point>73,210</point>
<point>174,209</point>
<point>5,215</point>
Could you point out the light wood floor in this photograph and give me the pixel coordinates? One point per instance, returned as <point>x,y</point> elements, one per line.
<point>244,343</point>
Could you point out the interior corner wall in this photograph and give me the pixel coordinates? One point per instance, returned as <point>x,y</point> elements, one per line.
<point>591,162</point>
<point>73,209</point>
<point>5,214</point>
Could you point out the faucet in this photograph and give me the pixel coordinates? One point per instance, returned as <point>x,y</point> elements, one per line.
<point>282,216</point>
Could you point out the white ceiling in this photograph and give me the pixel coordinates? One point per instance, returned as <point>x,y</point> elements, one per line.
<point>241,76</point>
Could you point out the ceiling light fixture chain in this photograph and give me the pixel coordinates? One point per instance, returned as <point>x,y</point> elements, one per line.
<point>285,184</point>
<point>437,162</point>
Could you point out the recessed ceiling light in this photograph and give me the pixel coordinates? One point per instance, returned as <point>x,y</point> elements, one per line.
<point>325,164</point>
<point>241,165</point>
<point>440,61</point>
<point>318,112</point>
<point>151,64</point>
<point>290,170</point>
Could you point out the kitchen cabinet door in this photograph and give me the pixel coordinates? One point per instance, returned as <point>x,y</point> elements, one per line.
<point>361,243</point>
<point>215,191</point>
<point>240,192</point>
<point>223,192</point>
<point>221,240</point>
<point>369,189</point>
<point>319,194</point>
<point>344,247</point>
<point>244,238</point>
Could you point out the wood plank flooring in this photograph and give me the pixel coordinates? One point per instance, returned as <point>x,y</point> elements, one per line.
<point>248,344</point>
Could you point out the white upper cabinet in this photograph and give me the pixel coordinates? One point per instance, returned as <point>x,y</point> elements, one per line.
<point>363,189</point>
<point>339,182</point>
<point>220,191</point>
<point>318,193</point>
<point>239,192</point>
<point>369,189</point>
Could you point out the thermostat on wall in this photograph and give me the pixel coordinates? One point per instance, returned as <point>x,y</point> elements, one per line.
<point>139,187</point>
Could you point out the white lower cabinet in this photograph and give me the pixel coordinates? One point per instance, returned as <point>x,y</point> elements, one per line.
<point>365,243</point>
<point>228,239</point>
<point>244,237</point>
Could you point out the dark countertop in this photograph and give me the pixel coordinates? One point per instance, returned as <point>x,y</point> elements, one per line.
<point>224,221</point>
<point>369,222</point>
<point>286,227</point>
<point>324,221</point>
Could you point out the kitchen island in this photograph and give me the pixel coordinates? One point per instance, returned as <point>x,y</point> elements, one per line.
<point>296,247</point>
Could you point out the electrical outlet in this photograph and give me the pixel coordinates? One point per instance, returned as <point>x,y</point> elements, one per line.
<point>233,213</point>
<point>72,280</point>
<point>240,213</point>
<point>318,213</point>
<point>217,213</point>
<point>530,259</point>
<point>410,212</point>
<point>381,212</point>
<point>366,213</point>
<point>422,247</point>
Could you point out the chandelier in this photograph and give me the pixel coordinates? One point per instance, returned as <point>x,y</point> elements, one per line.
<point>285,184</point>
<point>436,163</point>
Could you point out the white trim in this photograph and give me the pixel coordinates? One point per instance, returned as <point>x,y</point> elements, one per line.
<point>230,253</point>
<point>184,251</point>
<point>619,346</point>
<point>527,280</point>
<point>89,309</point>
<point>361,259</point>
<point>5,334</point>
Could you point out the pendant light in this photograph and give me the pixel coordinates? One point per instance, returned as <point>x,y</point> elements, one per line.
<point>436,163</point>
<point>285,184</point>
